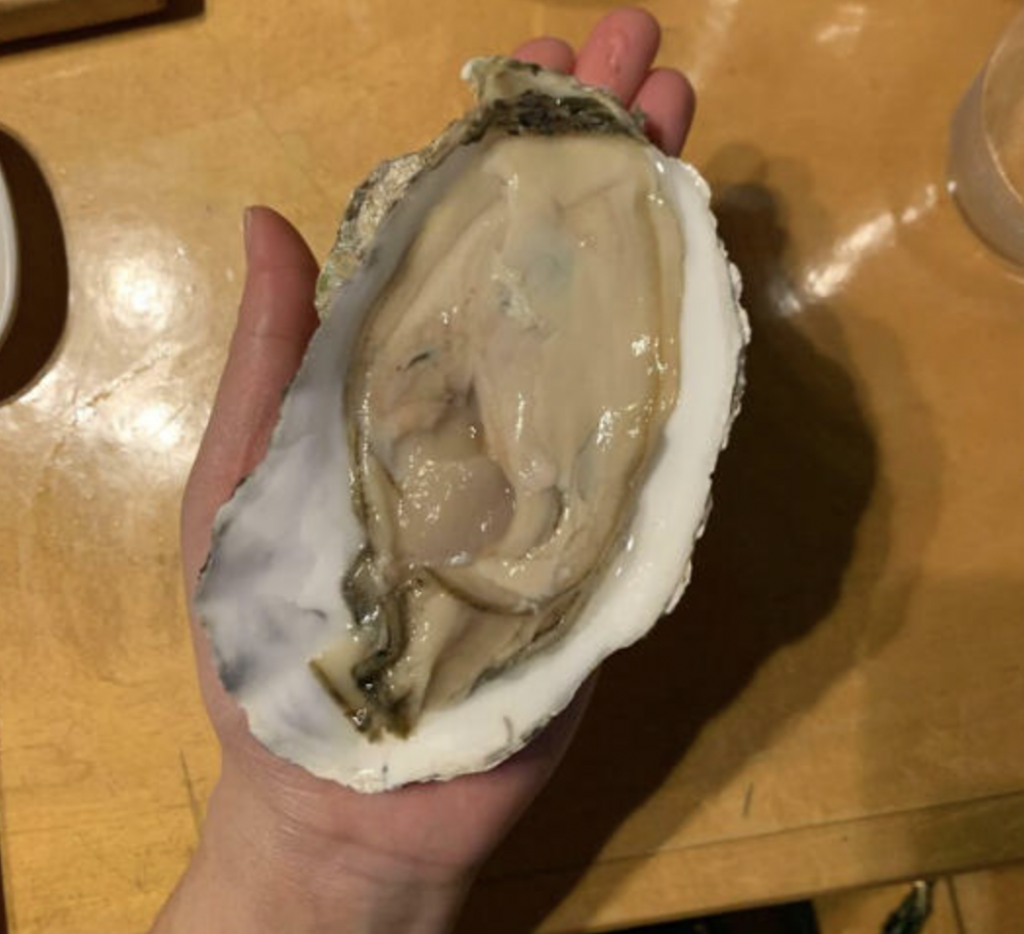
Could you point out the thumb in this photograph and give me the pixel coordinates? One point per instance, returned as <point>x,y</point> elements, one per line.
<point>275,322</point>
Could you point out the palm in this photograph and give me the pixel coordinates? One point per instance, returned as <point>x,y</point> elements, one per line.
<point>446,826</point>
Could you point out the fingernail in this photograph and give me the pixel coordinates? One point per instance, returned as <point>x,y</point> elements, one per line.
<point>247,227</point>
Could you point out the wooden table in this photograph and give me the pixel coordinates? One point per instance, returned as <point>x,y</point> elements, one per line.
<point>839,700</point>
<point>20,19</point>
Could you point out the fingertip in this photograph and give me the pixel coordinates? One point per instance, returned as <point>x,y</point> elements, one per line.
<point>548,52</point>
<point>638,22</point>
<point>272,241</point>
<point>668,102</point>
<point>644,23</point>
<point>619,51</point>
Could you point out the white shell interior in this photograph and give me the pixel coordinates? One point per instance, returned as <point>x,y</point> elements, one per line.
<point>270,597</point>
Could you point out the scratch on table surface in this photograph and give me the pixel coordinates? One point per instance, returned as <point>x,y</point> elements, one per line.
<point>193,801</point>
<point>748,799</point>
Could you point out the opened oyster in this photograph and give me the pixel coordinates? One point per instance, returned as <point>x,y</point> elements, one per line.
<point>492,467</point>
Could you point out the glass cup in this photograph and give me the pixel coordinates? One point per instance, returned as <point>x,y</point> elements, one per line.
<point>986,148</point>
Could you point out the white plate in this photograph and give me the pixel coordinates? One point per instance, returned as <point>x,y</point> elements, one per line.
<point>8,259</point>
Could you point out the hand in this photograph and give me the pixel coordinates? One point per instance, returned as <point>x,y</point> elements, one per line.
<point>282,850</point>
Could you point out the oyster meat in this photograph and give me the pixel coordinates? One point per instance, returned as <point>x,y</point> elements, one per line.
<point>494,463</point>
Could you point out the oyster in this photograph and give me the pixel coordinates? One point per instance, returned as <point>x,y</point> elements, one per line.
<point>493,465</point>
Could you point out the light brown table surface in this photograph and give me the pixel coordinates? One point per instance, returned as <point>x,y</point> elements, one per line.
<point>840,699</point>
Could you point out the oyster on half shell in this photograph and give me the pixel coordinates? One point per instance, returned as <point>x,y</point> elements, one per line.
<point>493,465</point>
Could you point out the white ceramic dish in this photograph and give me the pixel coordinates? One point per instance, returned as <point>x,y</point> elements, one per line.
<point>8,260</point>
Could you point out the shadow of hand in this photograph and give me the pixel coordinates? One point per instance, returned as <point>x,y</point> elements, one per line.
<point>789,493</point>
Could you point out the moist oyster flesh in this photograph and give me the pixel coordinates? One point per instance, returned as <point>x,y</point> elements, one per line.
<point>508,388</point>
<point>291,539</point>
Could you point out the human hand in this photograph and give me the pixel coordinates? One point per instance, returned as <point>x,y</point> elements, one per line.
<point>282,850</point>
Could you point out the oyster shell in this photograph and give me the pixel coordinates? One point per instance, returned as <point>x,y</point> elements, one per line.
<point>482,483</point>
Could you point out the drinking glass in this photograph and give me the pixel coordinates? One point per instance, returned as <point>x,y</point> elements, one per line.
<point>986,148</point>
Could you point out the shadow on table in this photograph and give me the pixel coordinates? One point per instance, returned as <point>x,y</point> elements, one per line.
<point>42,305</point>
<point>175,11</point>
<point>790,493</point>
